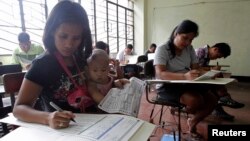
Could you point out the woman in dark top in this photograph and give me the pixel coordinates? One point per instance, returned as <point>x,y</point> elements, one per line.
<point>56,74</point>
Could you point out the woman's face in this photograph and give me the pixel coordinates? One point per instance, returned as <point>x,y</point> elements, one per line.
<point>68,37</point>
<point>182,41</point>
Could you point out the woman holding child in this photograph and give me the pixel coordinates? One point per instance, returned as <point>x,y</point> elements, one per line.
<point>58,75</point>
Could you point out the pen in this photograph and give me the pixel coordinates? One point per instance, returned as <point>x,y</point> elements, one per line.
<point>59,109</point>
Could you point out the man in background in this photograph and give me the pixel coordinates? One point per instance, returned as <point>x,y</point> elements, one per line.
<point>129,70</point>
<point>122,53</point>
<point>151,49</point>
<point>217,51</point>
<point>26,52</point>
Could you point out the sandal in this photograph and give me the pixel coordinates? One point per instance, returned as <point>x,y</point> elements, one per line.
<point>192,136</point>
<point>196,136</point>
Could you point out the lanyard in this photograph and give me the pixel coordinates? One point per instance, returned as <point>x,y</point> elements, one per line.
<point>62,63</point>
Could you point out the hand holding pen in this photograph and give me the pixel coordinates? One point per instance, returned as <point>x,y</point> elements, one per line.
<point>61,118</point>
<point>191,74</point>
<point>217,67</point>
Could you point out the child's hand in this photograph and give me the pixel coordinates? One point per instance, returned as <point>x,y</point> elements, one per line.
<point>114,62</point>
<point>121,82</point>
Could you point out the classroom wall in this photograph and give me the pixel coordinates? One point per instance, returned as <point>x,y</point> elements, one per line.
<point>140,27</point>
<point>219,21</point>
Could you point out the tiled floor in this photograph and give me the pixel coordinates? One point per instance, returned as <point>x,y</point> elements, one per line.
<point>239,91</point>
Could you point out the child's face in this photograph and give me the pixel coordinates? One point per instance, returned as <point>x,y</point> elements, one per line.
<point>68,37</point>
<point>99,70</point>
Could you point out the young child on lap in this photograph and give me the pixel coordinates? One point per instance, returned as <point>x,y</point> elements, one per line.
<point>99,79</point>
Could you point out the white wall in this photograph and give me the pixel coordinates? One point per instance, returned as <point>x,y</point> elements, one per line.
<point>140,29</point>
<point>218,20</point>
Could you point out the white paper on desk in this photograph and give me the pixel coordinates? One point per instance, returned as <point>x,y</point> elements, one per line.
<point>217,81</point>
<point>151,56</point>
<point>208,75</point>
<point>91,127</point>
<point>115,128</point>
<point>125,101</point>
<point>132,59</point>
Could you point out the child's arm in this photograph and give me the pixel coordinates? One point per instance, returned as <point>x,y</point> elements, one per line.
<point>118,69</point>
<point>121,82</point>
<point>94,92</point>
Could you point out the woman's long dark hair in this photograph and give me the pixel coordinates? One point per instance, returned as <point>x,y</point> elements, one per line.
<point>185,27</point>
<point>68,12</point>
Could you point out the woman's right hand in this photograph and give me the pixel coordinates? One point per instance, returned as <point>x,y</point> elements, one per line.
<point>216,68</point>
<point>192,74</point>
<point>59,120</point>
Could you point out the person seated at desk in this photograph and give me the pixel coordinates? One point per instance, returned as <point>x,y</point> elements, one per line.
<point>131,69</point>
<point>102,45</point>
<point>26,52</point>
<point>151,49</point>
<point>58,75</point>
<point>171,62</point>
<point>121,56</point>
<point>207,53</point>
<point>100,81</point>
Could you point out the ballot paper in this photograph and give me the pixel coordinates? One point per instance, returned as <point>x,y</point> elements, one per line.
<point>208,75</point>
<point>125,101</point>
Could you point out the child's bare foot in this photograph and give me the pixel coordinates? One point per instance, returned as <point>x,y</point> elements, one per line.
<point>194,136</point>
<point>191,126</point>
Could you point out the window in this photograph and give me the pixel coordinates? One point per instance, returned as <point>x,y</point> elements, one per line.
<point>11,23</point>
<point>110,21</point>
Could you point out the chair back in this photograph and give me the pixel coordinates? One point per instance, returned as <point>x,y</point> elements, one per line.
<point>142,58</point>
<point>12,83</point>
<point>149,70</point>
<point>10,68</point>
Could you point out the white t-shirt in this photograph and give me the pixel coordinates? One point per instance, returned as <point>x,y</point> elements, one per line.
<point>179,63</point>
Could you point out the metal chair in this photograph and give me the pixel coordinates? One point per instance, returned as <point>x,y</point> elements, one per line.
<point>12,83</point>
<point>140,63</point>
<point>142,58</point>
<point>10,68</point>
<point>149,71</point>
